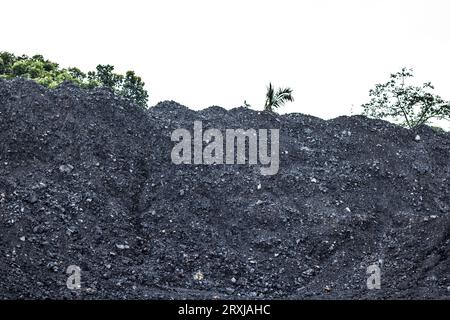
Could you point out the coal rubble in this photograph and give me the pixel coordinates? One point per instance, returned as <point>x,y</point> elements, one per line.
<point>86,180</point>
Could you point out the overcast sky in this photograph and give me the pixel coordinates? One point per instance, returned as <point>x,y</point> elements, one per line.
<point>205,52</point>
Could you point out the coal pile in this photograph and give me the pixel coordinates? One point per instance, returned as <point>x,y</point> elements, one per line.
<point>86,179</point>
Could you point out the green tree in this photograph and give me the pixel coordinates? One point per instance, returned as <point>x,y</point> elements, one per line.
<point>6,62</point>
<point>107,78</point>
<point>406,104</point>
<point>276,99</point>
<point>129,86</point>
<point>49,74</point>
<point>133,88</point>
<point>28,69</point>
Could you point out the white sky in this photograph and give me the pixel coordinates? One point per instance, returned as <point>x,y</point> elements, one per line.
<point>206,52</point>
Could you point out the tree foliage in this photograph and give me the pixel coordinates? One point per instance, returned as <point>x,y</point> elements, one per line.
<point>133,88</point>
<point>405,103</point>
<point>276,99</point>
<point>49,74</point>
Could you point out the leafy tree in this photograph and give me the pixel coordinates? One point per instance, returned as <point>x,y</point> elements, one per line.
<point>404,103</point>
<point>49,74</point>
<point>276,99</point>
<point>38,69</point>
<point>6,61</point>
<point>133,88</point>
<point>28,68</point>
<point>91,81</point>
<point>129,86</point>
<point>108,78</point>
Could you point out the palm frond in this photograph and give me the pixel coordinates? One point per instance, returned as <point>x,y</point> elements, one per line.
<point>269,96</point>
<point>282,95</point>
<point>277,99</point>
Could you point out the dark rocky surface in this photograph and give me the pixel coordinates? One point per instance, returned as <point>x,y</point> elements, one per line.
<point>86,179</point>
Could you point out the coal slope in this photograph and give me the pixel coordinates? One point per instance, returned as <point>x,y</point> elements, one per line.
<point>86,179</point>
